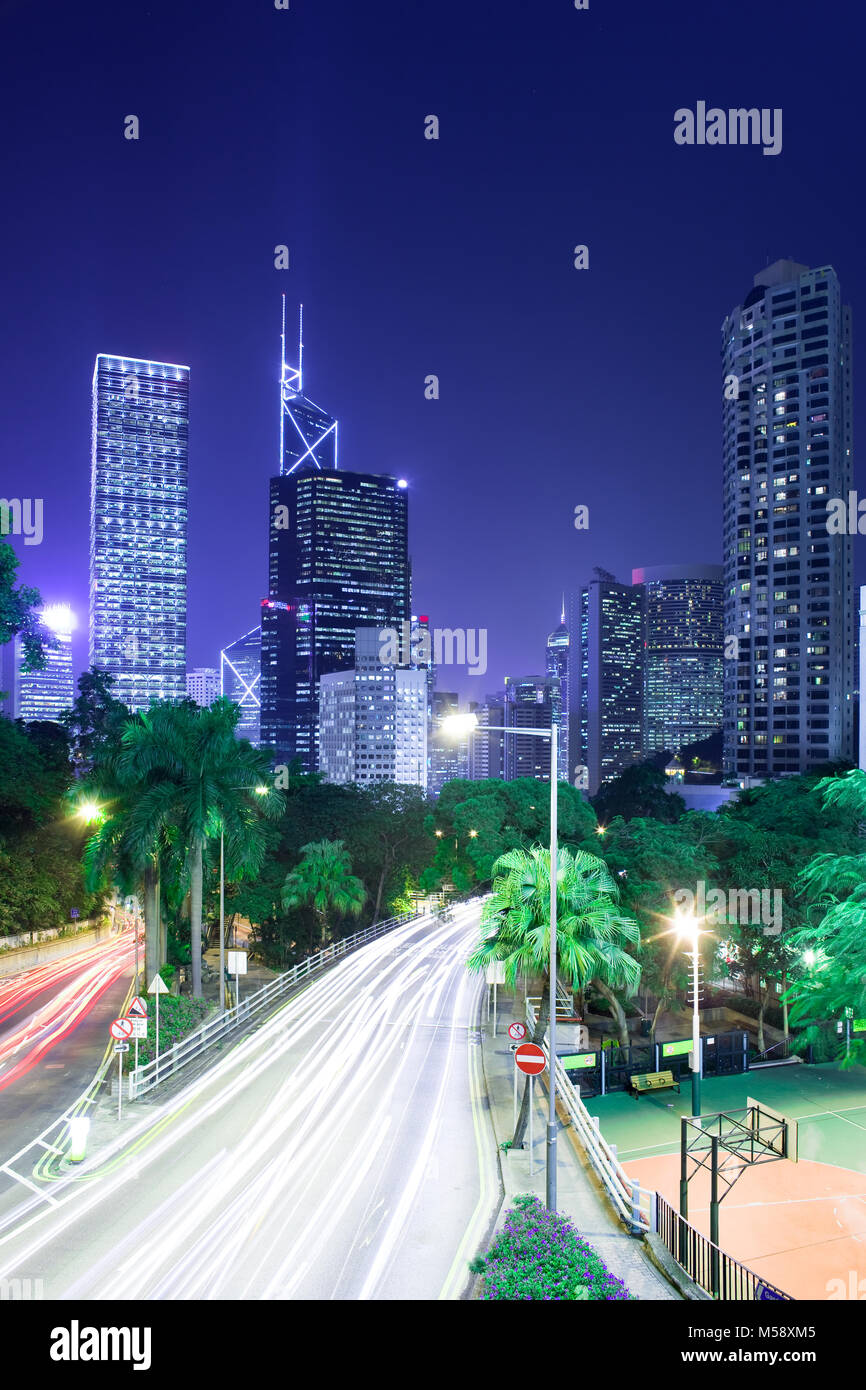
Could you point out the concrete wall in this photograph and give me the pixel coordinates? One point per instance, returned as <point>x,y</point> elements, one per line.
<point>49,946</point>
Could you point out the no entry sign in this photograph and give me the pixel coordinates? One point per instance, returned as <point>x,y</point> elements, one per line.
<point>530,1059</point>
<point>121,1029</point>
<point>517,1032</point>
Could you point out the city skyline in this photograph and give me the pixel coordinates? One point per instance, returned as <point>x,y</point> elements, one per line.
<point>558,387</point>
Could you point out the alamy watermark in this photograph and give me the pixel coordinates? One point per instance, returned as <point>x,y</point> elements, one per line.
<point>22,516</point>
<point>743,905</point>
<point>21,1290</point>
<point>444,646</point>
<point>736,126</point>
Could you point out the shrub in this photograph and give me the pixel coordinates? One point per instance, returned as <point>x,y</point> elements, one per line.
<point>539,1256</point>
<point>177,1017</point>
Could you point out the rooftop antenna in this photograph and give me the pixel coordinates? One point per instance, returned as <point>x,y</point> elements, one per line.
<point>562,617</point>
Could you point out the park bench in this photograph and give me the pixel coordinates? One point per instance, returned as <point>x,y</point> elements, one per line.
<point>653,1081</point>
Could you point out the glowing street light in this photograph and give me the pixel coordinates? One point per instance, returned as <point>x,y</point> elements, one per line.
<point>686,927</point>
<point>89,812</point>
<point>456,726</point>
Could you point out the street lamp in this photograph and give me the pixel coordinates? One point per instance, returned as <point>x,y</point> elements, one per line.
<point>259,791</point>
<point>456,725</point>
<point>687,927</point>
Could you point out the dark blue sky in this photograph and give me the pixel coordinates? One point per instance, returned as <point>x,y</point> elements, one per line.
<point>412,257</point>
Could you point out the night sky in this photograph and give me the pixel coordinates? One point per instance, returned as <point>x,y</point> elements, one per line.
<point>412,257</point>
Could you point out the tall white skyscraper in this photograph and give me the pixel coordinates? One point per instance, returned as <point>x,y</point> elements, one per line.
<point>203,684</point>
<point>138,527</point>
<point>373,719</point>
<point>788,452</point>
<point>47,693</point>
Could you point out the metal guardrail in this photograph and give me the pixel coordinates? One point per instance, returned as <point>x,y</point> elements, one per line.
<point>144,1078</point>
<point>634,1204</point>
<point>717,1273</point>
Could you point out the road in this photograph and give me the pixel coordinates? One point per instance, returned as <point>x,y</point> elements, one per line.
<point>53,1032</point>
<point>343,1151</point>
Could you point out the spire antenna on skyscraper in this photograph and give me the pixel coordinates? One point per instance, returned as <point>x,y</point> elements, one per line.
<point>308,434</point>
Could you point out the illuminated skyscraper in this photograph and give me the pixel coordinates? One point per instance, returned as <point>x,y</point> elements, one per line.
<point>138,527</point>
<point>528,705</point>
<point>373,719</point>
<point>557,671</point>
<point>611,678</point>
<point>241,679</point>
<point>788,451</point>
<point>338,560</point>
<point>47,693</point>
<point>683,654</point>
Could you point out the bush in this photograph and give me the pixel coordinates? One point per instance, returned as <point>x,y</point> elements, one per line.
<point>177,1017</point>
<point>538,1256</point>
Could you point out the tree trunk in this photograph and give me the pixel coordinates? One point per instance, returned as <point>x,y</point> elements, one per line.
<point>762,1005</point>
<point>785,1003</point>
<point>379,892</point>
<point>537,1037</point>
<point>195,893</point>
<point>660,1008</point>
<point>618,1011</point>
<point>151,922</point>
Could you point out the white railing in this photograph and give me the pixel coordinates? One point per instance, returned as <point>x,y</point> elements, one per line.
<point>145,1077</point>
<point>634,1204</point>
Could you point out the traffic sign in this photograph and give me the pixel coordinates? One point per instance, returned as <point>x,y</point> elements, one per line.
<point>157,986</point>
<point>530,1059</point>
<point>765,1294</point>
<point>517,1031</point>
<point>138,1008</point>
<point>121,1047</point>
<point>139,1027</point>
<point>121,1028</point>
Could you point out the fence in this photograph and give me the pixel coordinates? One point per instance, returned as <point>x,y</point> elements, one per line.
<point>633,1204</point>
<point>707,1265</point>
<point>144,1078</point>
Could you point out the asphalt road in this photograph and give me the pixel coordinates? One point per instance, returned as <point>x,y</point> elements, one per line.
<point>343,1151</point>
<point>53,1033</point>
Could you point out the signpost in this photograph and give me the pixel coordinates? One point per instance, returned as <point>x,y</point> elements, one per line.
<point>495,976</point>
<point>157,986</point>
<point>237,966</point>
<point>121,1031</point>
<point>530,1059</point>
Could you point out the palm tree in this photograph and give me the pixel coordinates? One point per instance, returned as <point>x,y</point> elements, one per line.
<point>195,780</point>
<point>324,880</point>
<point>590,931</point>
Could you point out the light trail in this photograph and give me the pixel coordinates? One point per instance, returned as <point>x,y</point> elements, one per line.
<point>79,982</point>
<point>296,1165</point>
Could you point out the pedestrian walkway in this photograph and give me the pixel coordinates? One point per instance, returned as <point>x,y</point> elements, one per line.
<point>580,1195</point>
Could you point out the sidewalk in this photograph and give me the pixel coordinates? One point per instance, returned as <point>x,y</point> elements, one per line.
<point>580,1195</point>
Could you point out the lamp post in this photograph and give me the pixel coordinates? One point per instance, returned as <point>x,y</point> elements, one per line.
<point>687,927</point>
<point>455,725</point>
<point>259,791</point>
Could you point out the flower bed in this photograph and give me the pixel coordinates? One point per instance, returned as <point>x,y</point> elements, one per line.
<point>539,1256</point>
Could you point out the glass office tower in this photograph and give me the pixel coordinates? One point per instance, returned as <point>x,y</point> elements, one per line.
<point>138,527</point>
<point>611,678</point>
<point>47,693</point>
<point>528,704</point>
<point>683,654</point>
<point>788,451</point>
<point>240,680</point>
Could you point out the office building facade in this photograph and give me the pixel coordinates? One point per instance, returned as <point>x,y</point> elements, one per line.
<point>240,681</point>
<point>373,719</point>
<point>48,693</point>
<point>787,453</point>
<point>203,684</point>
<point>138,527</point>
<point>683,679</point>
<point>558,664</point>
<point>610,701</point>
<point>528,704</point>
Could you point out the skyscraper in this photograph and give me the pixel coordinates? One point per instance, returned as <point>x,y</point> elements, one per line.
<point>787,449</point>
<point>611,678</point>
<point>240,680</point>
<point>203,684</point>
<point>373,719</point>
<point>138,527</point>
<point>47,693</point>
<point>558,670</point>
<point>528,705</point>
<point>449,757</point>
<point>487,750</point>
<point>683,654</point>
<point>338,560</point>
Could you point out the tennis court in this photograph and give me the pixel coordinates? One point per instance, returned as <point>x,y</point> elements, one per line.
<point>800,1225</point>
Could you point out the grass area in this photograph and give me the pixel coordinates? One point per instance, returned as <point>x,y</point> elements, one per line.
<point>828,1103</point>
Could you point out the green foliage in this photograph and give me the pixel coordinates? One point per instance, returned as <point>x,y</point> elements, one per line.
<point>323,880</point>
<point>639,791</point>
<point>538,1256</point>
<point>18,612</point>
<point>177,1017</point>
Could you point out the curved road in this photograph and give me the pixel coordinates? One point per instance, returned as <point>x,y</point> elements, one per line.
<point>342,1151</point>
